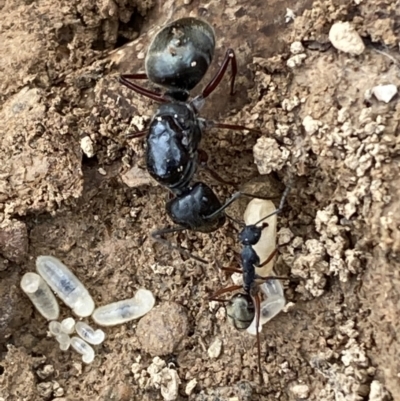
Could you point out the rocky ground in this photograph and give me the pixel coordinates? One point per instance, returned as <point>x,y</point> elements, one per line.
<point>72,185</point>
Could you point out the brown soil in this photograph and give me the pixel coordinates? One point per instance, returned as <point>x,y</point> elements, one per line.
<point>338,339</point>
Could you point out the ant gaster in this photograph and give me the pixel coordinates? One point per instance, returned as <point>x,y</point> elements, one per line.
<point>178,58</point>
<point>243,307</point>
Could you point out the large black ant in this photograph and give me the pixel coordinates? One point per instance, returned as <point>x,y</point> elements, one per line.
<point>243,307</point>
<point>178,58</point>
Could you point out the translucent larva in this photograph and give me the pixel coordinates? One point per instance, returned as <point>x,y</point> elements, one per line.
<point>63,338</point>
<point>88,334</point>
<point>41,295</point>
<point>83,348</point>
<point>126,310</point>
<point>55,328</point>
<point>68,325</point>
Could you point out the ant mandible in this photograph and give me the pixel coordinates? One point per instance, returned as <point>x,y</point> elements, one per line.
<point>243,307</point>
<point>177,59</point>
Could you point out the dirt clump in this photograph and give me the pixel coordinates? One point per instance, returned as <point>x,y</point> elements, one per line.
<point>161,331</point>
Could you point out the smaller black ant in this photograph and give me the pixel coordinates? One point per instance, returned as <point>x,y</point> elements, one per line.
<point>178,58</point>
<point>243,307</point>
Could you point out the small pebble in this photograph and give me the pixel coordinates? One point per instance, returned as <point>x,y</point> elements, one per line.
<point>87,146</point>
<point>169,384</point>
<point>214,350</point>
<point>384,93</point>
<point>310,125</point>
<point>344,37</point>
<point>296,60</point>
<point>136,177</point>
<point>289,16</point>
<point>58,391</point>
<point>190,386</point>
<point>300,391</point>
<point>237,278</point>
<point>45,390</point>
<point>296,48</point>
<point>378,392</point>
<point>45,372</point>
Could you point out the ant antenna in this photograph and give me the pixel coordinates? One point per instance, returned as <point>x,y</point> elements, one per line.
<point>281,204</point>
<point>238,194</point>
<point>238,222</point>
<point>232,199</point>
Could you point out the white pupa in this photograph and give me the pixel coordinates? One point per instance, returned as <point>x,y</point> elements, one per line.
<point>255,211</point>
<point>273,290</point>
<point>66,285</point>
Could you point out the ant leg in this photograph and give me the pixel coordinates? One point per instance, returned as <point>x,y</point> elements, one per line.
<point>125,79</point>
<point>257,304</point>
<point>239,223</point>
<point>156,235</point>
<point>284,196</point>
<point>266,278</point>
<point>229,57</point>
<point>203,159</point>
<point>138,134</point>
<point>234,127</point>
<point>222,291</point>
<point>235,196</point>
<point>270,257</point>
<point>231,270</point>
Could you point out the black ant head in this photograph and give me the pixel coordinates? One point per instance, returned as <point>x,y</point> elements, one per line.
<point>193,206</point>
<point>240,310</point>
<point>180,55</point>
<point>250,235</point>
